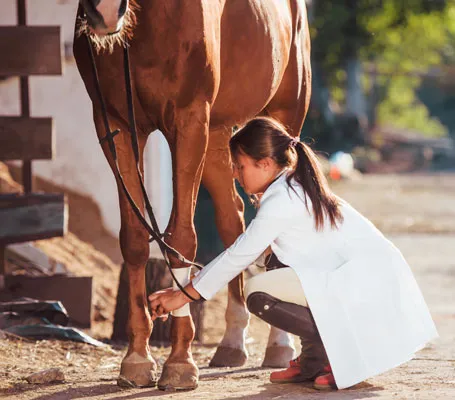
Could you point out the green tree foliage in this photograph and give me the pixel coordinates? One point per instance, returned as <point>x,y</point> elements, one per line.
<point>397,41</point>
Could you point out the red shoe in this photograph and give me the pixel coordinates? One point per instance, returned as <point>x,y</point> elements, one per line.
<point>325,382</point>
<point>328,368</point>
<point>295,362</point>
<point>289,375</point>
<point>292,374</point>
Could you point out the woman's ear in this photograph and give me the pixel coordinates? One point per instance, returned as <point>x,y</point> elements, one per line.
<point>263,163</point>
<point>266,163</point>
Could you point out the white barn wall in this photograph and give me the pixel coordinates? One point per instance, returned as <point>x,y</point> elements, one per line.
<point>79,164</point>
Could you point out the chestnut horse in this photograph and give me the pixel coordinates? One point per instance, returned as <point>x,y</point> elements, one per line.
<point>198,68</point>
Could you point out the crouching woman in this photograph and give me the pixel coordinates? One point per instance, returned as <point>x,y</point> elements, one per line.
<point>337,282</point>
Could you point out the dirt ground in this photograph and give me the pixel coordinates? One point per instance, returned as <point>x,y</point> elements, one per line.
<point>416,211</point>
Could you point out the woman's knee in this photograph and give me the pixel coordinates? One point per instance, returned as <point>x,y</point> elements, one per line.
<point>247,289</point>
<point>280,283</point>
<point>253,285</point>
<point>256,293</point>
<point>255,302</point>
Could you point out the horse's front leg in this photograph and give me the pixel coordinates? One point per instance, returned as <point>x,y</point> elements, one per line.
<point>188,146</point>
<point>138,367</point>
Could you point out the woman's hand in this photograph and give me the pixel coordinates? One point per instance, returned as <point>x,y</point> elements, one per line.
<point>165,301</point>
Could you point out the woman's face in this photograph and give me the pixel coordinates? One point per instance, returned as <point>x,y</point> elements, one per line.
<point>254,176</point>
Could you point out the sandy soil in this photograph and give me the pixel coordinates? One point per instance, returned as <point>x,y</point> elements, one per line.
<point>415,210</point>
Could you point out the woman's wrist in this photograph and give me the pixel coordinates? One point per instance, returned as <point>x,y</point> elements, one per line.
<point>195,295</point>
<point>183,297</point>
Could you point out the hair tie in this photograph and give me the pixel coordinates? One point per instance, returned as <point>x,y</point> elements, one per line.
<point>294,142</point>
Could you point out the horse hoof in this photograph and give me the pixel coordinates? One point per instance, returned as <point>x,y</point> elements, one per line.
<point>278,356</point>
<point>228,357</point>
<point>179,376</point>
<point>137,371</point>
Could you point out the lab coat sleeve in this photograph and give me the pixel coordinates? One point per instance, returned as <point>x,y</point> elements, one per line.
<point>261,232</point>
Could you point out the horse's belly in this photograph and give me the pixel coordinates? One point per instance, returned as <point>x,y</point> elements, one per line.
<point>255,45</point>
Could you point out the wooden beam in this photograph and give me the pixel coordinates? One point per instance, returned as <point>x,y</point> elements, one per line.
<point>24,138</point>
<point>32,217</point>
<point>27,173</point>
<point>30,50</point>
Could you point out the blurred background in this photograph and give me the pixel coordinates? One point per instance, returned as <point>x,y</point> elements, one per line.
<point>381,67</point>
<point>383,94</point>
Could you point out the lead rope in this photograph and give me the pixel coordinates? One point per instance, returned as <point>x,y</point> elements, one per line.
<point>152,230</point>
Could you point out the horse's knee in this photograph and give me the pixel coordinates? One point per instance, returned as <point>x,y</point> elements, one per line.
<point>183,239</point>
<point>134,245</point>
<point>230,203</point>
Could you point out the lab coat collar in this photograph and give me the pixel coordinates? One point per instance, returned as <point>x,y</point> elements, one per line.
<point>276,183</point>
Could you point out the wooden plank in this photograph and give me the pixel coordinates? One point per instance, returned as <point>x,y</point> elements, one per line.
<point>30,50</point>
<point>26,138</point>
<point>32,217</point>
<point>33,260</point>
<point>74,292</point>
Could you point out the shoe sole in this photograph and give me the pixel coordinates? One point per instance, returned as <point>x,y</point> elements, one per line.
<point>289,380</point>
<point>325,387</point>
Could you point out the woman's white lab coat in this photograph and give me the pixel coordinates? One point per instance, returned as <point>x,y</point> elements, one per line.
<point>363,296</point>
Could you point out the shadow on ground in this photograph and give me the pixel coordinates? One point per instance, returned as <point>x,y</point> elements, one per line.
<point>266,391</point>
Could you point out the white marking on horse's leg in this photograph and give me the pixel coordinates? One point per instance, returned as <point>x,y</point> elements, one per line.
<point>237,318</point>
<point>183,277</point>
<point>280,349</point>
<point>278,337</point>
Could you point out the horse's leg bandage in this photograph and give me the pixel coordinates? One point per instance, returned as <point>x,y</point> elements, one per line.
<point>183,276</point>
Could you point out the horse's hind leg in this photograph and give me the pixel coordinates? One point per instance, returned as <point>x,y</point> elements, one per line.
<point>290,106</point>
<point>138,367</point>
<point>280,348</point>
<point>218,180</point>
<point>290,103</point>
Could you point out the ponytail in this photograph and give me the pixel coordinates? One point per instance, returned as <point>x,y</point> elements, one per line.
<point>309,175</point>
<point>264,137</point>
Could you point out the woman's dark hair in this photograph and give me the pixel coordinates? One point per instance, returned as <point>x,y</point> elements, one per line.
<point>264,137</point>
